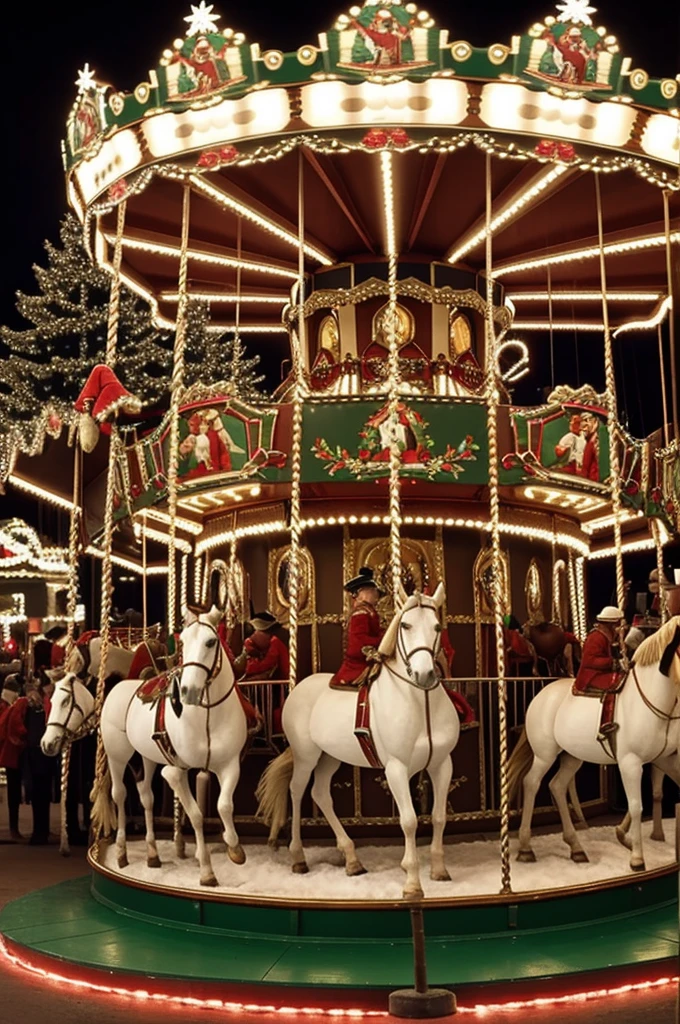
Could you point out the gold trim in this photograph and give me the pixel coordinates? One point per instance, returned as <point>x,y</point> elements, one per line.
<point>411,288</point>
<point>532,896</point>
<point>277,600</point>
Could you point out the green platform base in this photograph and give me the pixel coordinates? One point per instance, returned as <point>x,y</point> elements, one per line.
<point>98,923</point>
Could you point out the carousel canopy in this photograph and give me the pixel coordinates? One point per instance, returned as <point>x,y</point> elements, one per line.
<point>388,121</point>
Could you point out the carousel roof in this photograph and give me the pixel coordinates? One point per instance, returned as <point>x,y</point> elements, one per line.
<point>389,123</point>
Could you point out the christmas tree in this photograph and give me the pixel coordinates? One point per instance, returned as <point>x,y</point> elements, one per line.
<point>49,362</point>
<point>213,358</point>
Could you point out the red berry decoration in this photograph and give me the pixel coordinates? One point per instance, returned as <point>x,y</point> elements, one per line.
<point>565,151</point>
<point>209,159</point>
<point>399,137</point>
<point>228,154</point>
<point>118,189</point>
<point>376,138</point>
<point>546,147</point>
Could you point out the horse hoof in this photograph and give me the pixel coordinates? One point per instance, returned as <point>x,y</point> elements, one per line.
<point>180,853</point>
<point>581,826</point>
<point>237,854</point>
<point>579,857</point>
<point>658,837</point>
<point>300,868</point>
<point>637,866</point>
<point>274,845</point>
<point>355,869</point>
<point>122,860</point>
<point>624,838</point>
<point>526,857</point>
<point>210,880</point>
<point>440,876</point>
<point>414,894</point>
<point>153,862</point>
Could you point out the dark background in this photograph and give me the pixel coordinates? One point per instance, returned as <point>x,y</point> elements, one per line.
<point>122,41</point>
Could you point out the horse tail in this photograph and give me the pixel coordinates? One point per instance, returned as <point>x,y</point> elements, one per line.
<point>272,794</point>
<point>103,815</point>
<point>519,764</point>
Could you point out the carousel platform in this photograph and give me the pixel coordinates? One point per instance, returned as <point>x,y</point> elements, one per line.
<point>218,947</point>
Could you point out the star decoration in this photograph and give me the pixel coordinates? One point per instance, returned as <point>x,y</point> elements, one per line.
<point>201,20</point>
<point>576,11</point>
<point>85,80</point>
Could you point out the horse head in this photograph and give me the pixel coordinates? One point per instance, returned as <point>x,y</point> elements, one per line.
<point>547,638</point>
<point>72,705</point>
<point>202,659</point>
<point>414,637</point>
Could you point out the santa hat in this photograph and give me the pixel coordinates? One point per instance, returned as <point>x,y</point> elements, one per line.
<point>100,400</point>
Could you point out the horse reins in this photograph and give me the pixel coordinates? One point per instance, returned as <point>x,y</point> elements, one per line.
<point>406,658</point>
<point>75,706</point>
<point>212,672</point>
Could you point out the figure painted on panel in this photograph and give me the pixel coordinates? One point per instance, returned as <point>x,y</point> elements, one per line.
<point>590,465</point>
<point>569,449</point>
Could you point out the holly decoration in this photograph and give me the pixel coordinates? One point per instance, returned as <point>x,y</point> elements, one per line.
<point>373,454</point>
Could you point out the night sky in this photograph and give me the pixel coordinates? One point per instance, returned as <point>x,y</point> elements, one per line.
<point>122,41</point>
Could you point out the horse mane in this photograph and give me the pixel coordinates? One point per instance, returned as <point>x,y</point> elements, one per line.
<point>651,650</point>
<point>388,643</point>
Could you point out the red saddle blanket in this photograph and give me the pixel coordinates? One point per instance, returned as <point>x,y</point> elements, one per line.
<point>152,689</point>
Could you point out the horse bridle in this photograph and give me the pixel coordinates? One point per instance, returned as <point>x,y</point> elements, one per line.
<point>75,706</point>
<point>407,655</point>
<point>213,671</point>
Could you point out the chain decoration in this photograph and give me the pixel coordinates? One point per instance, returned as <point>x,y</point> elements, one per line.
<point>299,390</point>
<point>610,380</point>
<point>658,544</point>
<point>175,400</point>
<point>114,298</point>
<point>673,313</point>
<point>391,325</point>
<point>71,603</point>
<point>492,399</point>
<point>101,768</point>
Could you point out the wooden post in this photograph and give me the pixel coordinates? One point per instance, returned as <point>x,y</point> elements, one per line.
<point>421,1002</point>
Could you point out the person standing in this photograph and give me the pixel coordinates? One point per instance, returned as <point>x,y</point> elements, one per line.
<point>27,719</point>
<point>10,755</point>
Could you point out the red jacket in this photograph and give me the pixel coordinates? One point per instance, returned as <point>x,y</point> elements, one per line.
<point>590,468</point>
<point>268,662</point>
<point>597,663</point>
<point>364,631</point>
<point>12,732</point>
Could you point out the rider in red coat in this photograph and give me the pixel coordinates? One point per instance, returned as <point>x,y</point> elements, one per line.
<point>364,630</point>
<point>600,658</point>
<point>266,656</point>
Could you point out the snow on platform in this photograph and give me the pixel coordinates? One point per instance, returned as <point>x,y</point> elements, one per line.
<point>474,867</point>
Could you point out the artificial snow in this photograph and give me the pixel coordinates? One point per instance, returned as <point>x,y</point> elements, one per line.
<point>474,867</point>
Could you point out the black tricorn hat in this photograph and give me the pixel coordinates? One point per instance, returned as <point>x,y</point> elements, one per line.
<point>263,621</point>
<point>364,579</point>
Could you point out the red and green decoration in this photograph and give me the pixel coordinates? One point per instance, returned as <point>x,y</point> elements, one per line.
<point>209,60</point>
<point>385,38</point>
<point>569,52</point>
<point>371,456</point>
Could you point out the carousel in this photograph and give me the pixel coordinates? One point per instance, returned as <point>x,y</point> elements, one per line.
<point>408,222</point>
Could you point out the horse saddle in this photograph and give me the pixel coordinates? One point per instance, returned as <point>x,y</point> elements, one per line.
<point>618,679</point>
<point>156,692</point>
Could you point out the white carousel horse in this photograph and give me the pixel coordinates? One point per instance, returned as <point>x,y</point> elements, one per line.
<point>84,659</point>
<point>414,725</point>
<point>557,722</point>
<point>209,733</point>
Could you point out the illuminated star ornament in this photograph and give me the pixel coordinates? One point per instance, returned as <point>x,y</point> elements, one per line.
<point>85,80</point>
<point>576,11</point>
<point>201,19</point>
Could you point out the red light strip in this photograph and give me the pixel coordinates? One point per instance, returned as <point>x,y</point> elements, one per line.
<point>229,1007</point>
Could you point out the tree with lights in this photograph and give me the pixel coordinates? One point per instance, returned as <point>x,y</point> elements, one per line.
<point>48,362</point>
